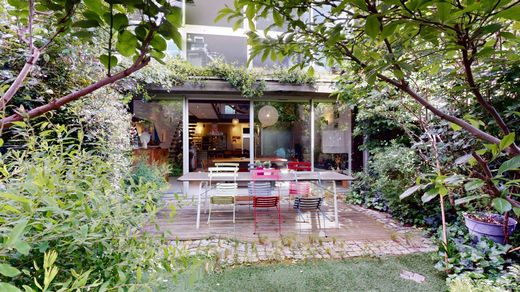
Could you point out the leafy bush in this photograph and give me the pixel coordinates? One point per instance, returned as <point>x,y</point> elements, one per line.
<point>146,173</point>
<point>391,171</point>
<point>65,225</point>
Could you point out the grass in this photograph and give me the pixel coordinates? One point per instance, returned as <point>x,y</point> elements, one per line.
<point>358,274</point>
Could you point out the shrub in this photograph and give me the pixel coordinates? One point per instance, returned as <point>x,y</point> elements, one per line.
<point>65,225</point>
<point>149,173</point>
<point>391,170</point>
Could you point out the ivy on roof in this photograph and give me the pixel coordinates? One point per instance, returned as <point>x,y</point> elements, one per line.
<point>250,82</point>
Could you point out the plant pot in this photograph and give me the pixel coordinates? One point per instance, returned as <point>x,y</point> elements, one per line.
<point>478,229</point>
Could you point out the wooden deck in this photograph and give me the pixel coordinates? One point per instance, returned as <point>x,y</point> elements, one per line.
<point>354,225</point>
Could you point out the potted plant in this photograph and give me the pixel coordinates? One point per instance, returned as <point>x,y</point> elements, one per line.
<point>488,225</point>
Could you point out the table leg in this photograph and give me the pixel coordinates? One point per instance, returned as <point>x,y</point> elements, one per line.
<point>198,205</point>
<point>336,220</point>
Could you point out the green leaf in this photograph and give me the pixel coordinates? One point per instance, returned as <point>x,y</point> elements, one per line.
<point>16,232</point>
<point>507,141</point>
<point>86,23</point>
<point>104,60</point>
<point>96,6</point>
<point>473,185</point>
<point>372,26</point>
<point>278,18</point>
<point>501,205</point>
<point>120,21</point>
<point>512,13</point>
<point>468,199</point>
<point>6,287</point>
<point>511,164</point>
<point>9,271</point>
<point>428,196</point>
<point>14,197</point>
<point>389,29</point>
<point>83,34</point>
<point>159,43</point>
<point>443,11</point>
<point>126,43</point>
<point>409,191</point>
<point>175,17</point>
<point>455,127</point>
<point>517,211</point>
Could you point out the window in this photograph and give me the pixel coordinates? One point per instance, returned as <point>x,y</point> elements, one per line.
<point>204,12</point>
<point>332,136</point>
<point>202,49</point>
<point>287,137</point>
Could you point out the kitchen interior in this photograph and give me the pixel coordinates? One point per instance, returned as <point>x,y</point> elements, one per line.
<point>218,132</point>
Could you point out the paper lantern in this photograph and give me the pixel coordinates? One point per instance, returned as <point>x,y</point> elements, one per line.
<point>268,115</point>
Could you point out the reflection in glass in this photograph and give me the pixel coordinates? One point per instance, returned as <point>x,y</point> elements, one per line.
<point>202,49</point>
<point>204,12</point>
<point>289,139</point>
<point>332,137</point>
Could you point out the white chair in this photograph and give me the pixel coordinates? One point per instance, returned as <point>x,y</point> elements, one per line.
<point>224,194</point>
<point>222,174</point>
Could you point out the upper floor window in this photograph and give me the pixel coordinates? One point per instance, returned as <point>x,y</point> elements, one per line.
<point>201,49</point>
<point>204,12</point>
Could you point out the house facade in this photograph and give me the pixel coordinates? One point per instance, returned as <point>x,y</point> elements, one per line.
<point>193,126</point>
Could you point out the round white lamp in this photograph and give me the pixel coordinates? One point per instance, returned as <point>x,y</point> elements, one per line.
<point>268,115</point>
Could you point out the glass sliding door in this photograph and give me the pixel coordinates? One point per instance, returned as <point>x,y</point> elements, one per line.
<point>218,133</point>
<point>282,132</point>
<point>332,136</point>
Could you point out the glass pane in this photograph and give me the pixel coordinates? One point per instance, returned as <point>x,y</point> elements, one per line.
<point>285,138</point>
<point>332,136</point>
<point>157,132</point>
<point>203,48</point>
<point>204,12</point>
<point>219,133</point>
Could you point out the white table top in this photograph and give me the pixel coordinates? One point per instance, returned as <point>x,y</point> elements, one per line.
<point>246,176</point>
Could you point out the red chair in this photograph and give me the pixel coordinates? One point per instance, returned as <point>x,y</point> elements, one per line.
<point>299,166</point>
<point>265,203</point>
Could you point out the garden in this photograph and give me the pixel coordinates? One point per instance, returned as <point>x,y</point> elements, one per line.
<point>434,86</point>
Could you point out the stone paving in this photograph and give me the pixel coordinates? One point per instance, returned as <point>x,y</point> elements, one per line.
<point>405,240</point>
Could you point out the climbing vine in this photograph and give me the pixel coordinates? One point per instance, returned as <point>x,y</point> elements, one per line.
<point>250,82</point>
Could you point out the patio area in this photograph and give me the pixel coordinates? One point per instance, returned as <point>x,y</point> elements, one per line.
<point>362,232</point>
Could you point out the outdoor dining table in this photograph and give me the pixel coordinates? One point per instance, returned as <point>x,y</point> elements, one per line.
<point>311,176</point>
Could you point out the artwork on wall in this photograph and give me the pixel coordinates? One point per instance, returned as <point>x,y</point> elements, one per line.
<point>235,139</point>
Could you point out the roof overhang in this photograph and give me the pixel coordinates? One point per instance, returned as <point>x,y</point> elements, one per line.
<point>217,88</point>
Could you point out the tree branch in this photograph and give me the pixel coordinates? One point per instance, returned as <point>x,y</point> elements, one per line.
<point>141,61</point>
<point>466,61</point>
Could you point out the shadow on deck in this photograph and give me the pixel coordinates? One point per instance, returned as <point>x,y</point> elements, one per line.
<point>354,224</point>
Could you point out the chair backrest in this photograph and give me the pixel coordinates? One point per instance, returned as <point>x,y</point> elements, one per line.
<point>259,188</point>
<point>307,204</point>
<point>226,189</point>
<point>223,172</point>
<point>299,166</point>
<point>300,188</point>
<point>266,202</point>
<point>273,174</point>
<point>226,164</point>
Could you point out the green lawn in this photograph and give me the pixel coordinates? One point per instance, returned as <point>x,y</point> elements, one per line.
<point>358,274</point>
